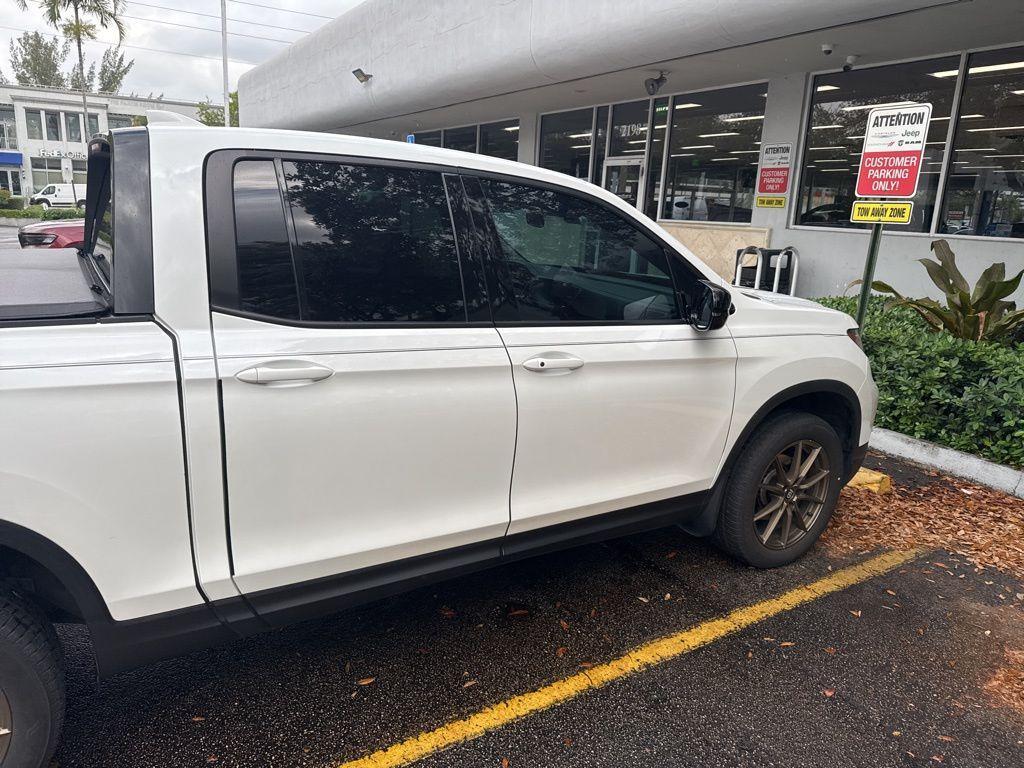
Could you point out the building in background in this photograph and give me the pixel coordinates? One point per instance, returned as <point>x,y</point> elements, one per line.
<point>563,85</point>
<point>43,139</point>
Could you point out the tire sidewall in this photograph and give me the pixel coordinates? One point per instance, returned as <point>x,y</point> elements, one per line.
<point>744,485</point>
<point>30,708</point>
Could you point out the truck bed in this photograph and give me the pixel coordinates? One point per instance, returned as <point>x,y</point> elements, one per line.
<point>40,283</point>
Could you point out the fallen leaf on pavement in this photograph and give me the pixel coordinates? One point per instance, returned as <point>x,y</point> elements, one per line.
<point>564,625</point>
<point>366,681</point>
<point>469,683</point>
<point>830,651</point>
<point>855,614</point>
<point>829,693</point>
<point>786,644</point>
<point>560,651</point>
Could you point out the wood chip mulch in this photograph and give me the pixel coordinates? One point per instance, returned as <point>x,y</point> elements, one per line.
<point>985,526</point>
<point>1006,686</point>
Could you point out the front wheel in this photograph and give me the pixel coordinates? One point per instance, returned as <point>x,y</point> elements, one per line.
<point>782,491</point>
<point>44,204</point>
<point>31,687</point>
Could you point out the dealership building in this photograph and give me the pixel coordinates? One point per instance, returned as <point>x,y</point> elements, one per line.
<point>42,137</point>
<point>669,104</point>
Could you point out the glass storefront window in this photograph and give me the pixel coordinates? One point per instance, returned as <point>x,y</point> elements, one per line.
<point>657,155</point>
<point>8,136</point>
<point>429,138</point>
<point>629,129</point>
<point>833,141</point>
<point>94,124</point>
<point>985,184</point>
<point>73,126</point>
<point>463,139</point>
<point>34,124</point>
<point>565,140</point>
<point>713,149</point>
<point>79,170</point>
<point>45,171</point>
<point>52,126</point>
<point>500,139</point>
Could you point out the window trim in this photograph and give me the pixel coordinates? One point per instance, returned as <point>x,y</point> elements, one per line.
<point>219,222</point>
<point>672,255</point>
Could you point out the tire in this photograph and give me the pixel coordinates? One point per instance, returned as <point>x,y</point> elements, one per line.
<point>31,686</point>
<point>80,204</point>
<point>45,204</point>
<point>759,485</point>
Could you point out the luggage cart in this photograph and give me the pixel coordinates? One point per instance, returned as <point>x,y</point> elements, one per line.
<point>772,269</point>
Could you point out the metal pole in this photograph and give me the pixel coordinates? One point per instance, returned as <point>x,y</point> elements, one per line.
<point>224,56</point>
<point>869,274</point>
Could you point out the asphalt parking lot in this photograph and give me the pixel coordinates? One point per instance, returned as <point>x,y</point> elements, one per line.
<point>889,671</point>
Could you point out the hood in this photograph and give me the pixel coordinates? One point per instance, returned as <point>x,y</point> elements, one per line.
<point>64,225</point>
<point>763,313</point>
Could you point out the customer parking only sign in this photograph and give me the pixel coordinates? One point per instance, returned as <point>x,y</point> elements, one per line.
<point>894,142</point>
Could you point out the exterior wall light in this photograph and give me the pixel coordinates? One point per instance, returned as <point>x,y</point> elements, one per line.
<point>361,76</point>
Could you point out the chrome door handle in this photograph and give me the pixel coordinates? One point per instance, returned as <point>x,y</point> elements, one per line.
<point>285,372</point>
<point>563,363</point>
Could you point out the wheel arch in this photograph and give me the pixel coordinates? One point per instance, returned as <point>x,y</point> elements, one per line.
<point>830,399</point>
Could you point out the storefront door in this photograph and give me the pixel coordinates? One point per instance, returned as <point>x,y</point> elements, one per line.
<point>623,176</point>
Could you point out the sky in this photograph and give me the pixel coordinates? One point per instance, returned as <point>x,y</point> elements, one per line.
<point>181,77</point>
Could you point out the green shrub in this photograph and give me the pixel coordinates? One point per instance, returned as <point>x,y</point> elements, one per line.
<point>14,203</point>
<point>45,214</point>
<point>55,214</point>
<point>964,394</point>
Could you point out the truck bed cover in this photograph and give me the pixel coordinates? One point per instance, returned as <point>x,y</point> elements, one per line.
<point>38,283</point>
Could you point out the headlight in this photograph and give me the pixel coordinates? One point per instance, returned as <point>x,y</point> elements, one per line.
<point>35,240</point>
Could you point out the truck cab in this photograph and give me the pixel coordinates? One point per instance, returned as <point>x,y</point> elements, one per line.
<point>288,373</point>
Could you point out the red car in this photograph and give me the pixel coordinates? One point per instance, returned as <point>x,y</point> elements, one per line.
<point>68,233</point>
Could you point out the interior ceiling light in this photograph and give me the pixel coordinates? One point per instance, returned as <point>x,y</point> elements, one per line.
<point>511,128</point>
<point>981,70</point>
<point>742,119</point>
<point>1000,128</point>
<point>688,105</point>
<point>700,146</point>
<point>744,151</point>
<point>823,88</point>
<point>823,127</point>
<point>361,76</point>
<point>580,135</point>
<point>722,159</point>
<point>716,135</point>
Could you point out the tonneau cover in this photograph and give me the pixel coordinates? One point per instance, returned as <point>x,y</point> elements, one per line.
<point>39,283</point>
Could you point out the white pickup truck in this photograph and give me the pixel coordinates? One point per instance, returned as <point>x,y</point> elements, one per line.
<point>292,372</point>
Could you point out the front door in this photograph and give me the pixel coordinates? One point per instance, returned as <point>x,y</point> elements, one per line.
<point>623,177</point>
<point>369,415</point>
<point>621,403</point>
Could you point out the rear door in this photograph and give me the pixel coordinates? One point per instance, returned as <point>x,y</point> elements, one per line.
<point>621,402</point>
<point>368,406</point>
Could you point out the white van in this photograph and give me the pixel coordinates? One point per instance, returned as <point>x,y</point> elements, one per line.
<point>60,196</point>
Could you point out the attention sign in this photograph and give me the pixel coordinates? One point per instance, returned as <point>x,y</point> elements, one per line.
<point>773,171</point>
<point>876,212</point>
<point>894,142</point>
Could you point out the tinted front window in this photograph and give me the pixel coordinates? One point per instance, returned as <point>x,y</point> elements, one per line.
<point>374,244</point>
<point>563,258</point>
<point>266,280</point>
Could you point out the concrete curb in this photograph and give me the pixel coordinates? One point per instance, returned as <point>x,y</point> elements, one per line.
<point>987,473</point>
<point>6,222</point>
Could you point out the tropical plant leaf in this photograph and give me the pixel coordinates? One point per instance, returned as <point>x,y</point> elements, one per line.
<point>998,290</point>
<point>993,274</point>
<point>946,258</point>
<point>939,275</point>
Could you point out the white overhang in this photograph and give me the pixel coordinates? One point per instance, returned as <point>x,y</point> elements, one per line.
<point>428,55</point>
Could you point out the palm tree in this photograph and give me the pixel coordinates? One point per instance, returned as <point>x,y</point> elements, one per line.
<point>77,20</point>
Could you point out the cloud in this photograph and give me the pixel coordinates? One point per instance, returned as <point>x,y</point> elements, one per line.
<point>190,78</point>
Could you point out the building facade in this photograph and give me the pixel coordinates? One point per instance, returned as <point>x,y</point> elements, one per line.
<point>566,86</point>
<point>43,139</point>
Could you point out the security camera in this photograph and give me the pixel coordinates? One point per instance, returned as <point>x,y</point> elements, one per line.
<point>653,84</point>
<point>827,48</point>
<point>850,61</point>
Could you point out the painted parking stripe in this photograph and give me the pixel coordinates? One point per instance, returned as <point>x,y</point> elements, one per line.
<point>636,660</point>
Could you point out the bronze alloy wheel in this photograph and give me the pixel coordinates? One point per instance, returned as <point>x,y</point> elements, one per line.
<point>791,494</point>
<point>6,725</point>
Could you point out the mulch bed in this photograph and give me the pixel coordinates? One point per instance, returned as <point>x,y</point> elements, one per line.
<point>985,526</point>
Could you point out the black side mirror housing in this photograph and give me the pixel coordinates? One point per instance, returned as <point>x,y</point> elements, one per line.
<point>711,306</point>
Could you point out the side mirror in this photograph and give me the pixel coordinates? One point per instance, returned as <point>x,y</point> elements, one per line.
<point>710,307</point>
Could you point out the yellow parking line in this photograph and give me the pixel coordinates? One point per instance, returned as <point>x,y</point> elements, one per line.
<point>634,661</point>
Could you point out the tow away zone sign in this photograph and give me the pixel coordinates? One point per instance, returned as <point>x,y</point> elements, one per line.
<point>875,212</point>
<point>894,142</point>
